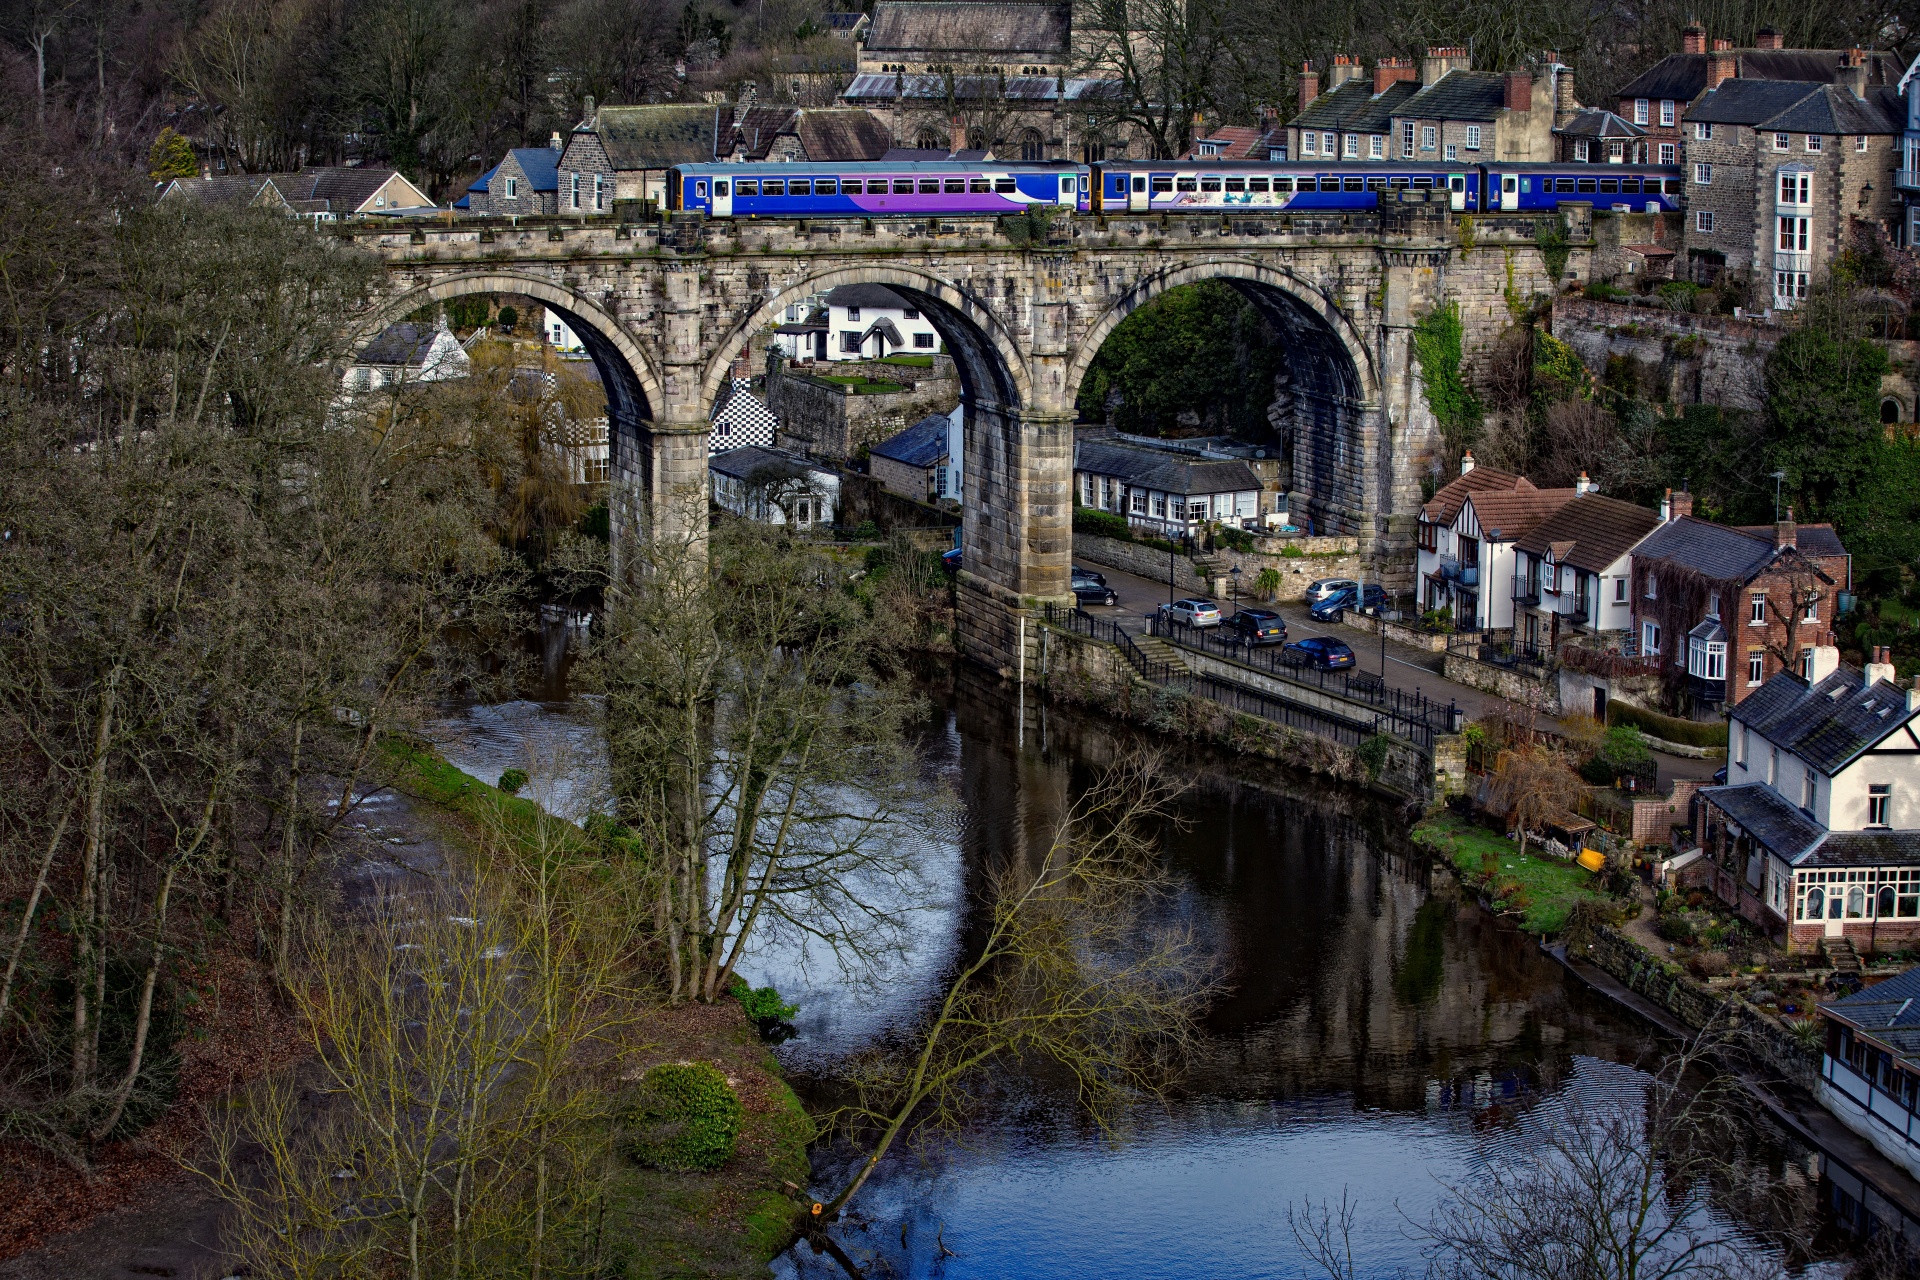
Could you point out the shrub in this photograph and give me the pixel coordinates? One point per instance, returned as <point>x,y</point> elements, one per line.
<point>508,317</point>
<point>1289,552</point>
<point>1267,582</point>
<point>1105,524</point>
<point>866,531</point>
<point>685,1118</point>
<point>512,780</point>
<point>1235,539</point>
<point>762,1005</point>
<point>1692,733</point>
<point>1675,928</point>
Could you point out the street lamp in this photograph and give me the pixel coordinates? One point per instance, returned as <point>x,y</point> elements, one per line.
<point>1778,477</point>
<point>1234,575</point>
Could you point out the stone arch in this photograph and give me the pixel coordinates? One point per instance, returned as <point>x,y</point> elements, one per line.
<point>634,389</point>
<point>992,368</point>
<point>1334,383</point>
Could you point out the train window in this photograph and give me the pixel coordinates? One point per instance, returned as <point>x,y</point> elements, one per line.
<point>1187,184</point>
<point>929,186</point>
<point>1563,184</point>
<point>1066,186</point>
<point>903,186</point>
<point>1162,184</point>
<point>1005,186</point>
<point>1526,184</point>
<point>747,187</point>
<point>1422,181</point>
<point>719,188</point>
<point>700,190</point>
<point>1209,184</point>
<point>1584,185</point>
<point>826,186</point>
<point>1236,184</point>
<point>1671,186</point>
<point>1397,181</point>
<point>1458,182</point>
<point>1610,185</point>
<point>1354,183</point>
<point>773,187</point>
<point>956,185</point>
<point>799,187</point>
<point>1376,184</point>
<point>979,186</point>
<point>1256,184</point>
<point>1630,186</point>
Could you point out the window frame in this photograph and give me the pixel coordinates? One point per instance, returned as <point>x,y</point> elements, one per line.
<point>1703,130</point>
<point>1703,221</point>
<point>1667,113</point>
<point>1702,174</point>
<point>1783,142</point>
<point>1816,143</point>
<point>1879,804</point>
<point>1756,669</point>
<point>1669,153</point>
<point>1641,107</point>
<point>1473,137</point>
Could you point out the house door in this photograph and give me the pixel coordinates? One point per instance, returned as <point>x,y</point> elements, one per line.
<point>1836,924</point>
<point>1600,704</point>
<point>1137,194</point>
<point>722,198</point>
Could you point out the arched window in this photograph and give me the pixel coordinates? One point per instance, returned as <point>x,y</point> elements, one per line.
<point>1856,903</point>
<point>1889,410</point>
<point>1883,906</point>
<point>1032,145</point>
<point>928,140</point>
<point>1816,903</point>
<point>1093,150</point>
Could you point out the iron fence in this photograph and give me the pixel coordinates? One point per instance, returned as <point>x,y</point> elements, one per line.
<point>1407,713</point>
<point>1483,647</point>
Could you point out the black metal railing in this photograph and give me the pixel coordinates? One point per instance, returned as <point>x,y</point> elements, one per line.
<point>1406,712</point>
<point>1526,591</point>
<point>1502,653</point>
<point>1347,731</point>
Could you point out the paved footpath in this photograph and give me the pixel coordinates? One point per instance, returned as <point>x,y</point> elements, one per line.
<point>1404,668</point>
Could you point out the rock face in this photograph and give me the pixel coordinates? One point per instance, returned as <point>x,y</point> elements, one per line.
<point>666,309</point>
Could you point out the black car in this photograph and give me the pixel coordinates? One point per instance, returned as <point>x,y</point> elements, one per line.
<point>1086,593</point>
<point>1323,652</point>
<point>1257,626</point>
<point>1087,575</point>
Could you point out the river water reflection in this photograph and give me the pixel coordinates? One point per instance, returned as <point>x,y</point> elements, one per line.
<point>1381,1035</point>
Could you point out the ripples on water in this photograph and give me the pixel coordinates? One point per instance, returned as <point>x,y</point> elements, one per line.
<point>1379,1038</point>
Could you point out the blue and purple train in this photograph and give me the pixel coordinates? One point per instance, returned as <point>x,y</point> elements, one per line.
<point>950,188</point>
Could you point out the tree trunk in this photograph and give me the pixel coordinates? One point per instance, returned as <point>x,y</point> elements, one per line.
<point>289,844</point>
<point>84,959</point>
<point>33,904</point>
<point>143,1020</point>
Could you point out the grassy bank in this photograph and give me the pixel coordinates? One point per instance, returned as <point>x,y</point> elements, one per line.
<point>1539,891</point>
<point>729,1222</point>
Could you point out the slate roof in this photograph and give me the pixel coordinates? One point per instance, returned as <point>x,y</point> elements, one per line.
<point>1166,472</point>
<point>406,343</point>
<point>1716,551</point>
<point>867,295</point>
<point>1813,539</point>
<point>1761,812</point>
<point>842,134</point>
<point>344,188</point>
<point>1235,142</point>
<point>659,136</point>
<point>540,164</point>
<point>1353,108</point>
<point>1599,530</point>
<point>1888,1013</point>
<point>1794,106</point>
<point>906,27</point>
<point>1597,122</point>
<point>1829,723</point>
<point>1683,76</point>
<point>841,21</point>
<point>1458,95</point>
<point>921,445</point>
<point>1450,497</point>
<point>758,462</point>
<point>224,188</point>
<point>876,86</point>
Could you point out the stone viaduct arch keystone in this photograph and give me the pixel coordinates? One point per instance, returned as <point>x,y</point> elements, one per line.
<point>665,309</point>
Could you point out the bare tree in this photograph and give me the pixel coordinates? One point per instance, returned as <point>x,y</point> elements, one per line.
<point>1794,592</point>
<point>1165,55</point>
<point>1533,784</point>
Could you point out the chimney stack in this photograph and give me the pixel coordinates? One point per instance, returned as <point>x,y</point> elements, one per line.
<point>1852,75</point>
<point>1466,462</point>
<point>1693,39</point>
<point>1519,91</point>
<point>1825,661</point>
<point>1344,69</point>
<point>1441,59</point>
<point>1565,104</point>
<point>1880,667</point>
<point>1682,503</point>
<point>956,135</point>
<point>1785,533</point>
<point>1584,485</point>
<point>1309,84</point>
<point>555,143</point>
<point>1768,38</point>
<point>1666,507</point>
<point>1391,71</point>
<point>1722,65</point>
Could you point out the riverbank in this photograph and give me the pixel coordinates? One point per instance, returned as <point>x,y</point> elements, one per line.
<point>1541,893</point>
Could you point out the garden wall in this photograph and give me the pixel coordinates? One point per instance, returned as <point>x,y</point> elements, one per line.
<point>826,421</point>
<point>1340,560</point>
<point>1542,693</point>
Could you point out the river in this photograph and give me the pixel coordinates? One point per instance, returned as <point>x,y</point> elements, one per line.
<point>1381,1036</point>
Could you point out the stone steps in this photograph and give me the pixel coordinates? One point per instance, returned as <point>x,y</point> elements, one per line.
<point>1157,650</point>
<point>1843,957</point>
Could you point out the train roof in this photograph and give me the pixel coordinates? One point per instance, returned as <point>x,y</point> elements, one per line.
<point>807,168</point>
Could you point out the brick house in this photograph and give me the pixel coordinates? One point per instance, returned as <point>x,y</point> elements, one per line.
<point>1776,172</point>
<point>1719,610</point>
<point>524,182</point>
<point>1816,834</point>
<point>1658,98</point>
<point>1443,111</point>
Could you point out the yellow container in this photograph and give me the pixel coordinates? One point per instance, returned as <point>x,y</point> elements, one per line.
<point>1592,859</point>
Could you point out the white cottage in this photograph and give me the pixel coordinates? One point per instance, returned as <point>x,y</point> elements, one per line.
<point>1467,534</point>
<point>409,352</point>
<point>868,321</point>
<point>1164,489</point>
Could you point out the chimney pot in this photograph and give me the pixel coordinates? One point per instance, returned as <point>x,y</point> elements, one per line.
<point>1880,667</point>
<point>1722,46</point>
<point>1785,533</point>
<point>1693,39</point>
<point>1391,71</point>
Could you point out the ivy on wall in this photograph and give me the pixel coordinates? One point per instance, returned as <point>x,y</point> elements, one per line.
<point>1437,344</point>
<point>1552,238</point>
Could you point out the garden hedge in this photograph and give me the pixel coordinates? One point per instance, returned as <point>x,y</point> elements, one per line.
<point>686,1118</point>
<point>1691,733</point>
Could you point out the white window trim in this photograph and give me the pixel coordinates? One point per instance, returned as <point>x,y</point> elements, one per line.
<point>1702,175</point>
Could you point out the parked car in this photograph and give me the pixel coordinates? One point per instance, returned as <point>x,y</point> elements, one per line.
<point>1332,607</point>
<point>951,559</point>
<point>1193,611</point>
<point>1087,575</point>
<point>1258,626</point>
<point>1086,593</point>
<point>1323,652</point>
<point>1324,587</point>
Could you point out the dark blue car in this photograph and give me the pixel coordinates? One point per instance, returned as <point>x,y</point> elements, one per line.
<point>1319,651</point>
<point>1334,605</point>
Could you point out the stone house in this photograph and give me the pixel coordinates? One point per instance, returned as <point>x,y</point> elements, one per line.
<point>1657,99</point>
<point>1573,570</point>
<point>1719,610</point>
<point>1778,170</point>
<point>805,134</point>
<point>324,193</point>
<point>1595,135</point>
<point>240,190</point>
<point>631,148</point>
<point>1168,492</point>
<point>1443,111</point>
<point>918,463</point>
<point>1466,537</point>
<point>774,486</point>
<point>935,37</point>
<point>1816,835</point>
<point>525,182</point>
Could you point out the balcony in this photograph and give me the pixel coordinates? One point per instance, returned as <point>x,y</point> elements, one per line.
<point>1707,691</point>
<point>1467,575</point>
<point>1906,179</point>
<point>1526,591</point>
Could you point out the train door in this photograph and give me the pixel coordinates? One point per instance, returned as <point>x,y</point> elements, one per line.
<point>1509,191</point>
<point>1137,193</point>
<point>722,197</point>
<point>1457,191</point>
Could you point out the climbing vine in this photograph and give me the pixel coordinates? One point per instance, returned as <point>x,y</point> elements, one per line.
<point>1555,242</point>
<point>1437,345</point>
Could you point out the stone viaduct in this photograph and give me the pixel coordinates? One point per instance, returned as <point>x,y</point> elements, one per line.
<point>665,309</point>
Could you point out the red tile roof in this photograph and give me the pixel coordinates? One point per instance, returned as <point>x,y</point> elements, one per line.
<point>1446,504</point>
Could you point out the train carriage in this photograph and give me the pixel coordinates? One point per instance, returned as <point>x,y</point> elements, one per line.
<point>875,189</point>
<point>1188,186</point>
<point>1623,188</point>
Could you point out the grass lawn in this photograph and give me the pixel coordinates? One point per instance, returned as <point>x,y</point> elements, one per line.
<point>1542,890</point>
<point>914,362</point>
<point>861,386</point>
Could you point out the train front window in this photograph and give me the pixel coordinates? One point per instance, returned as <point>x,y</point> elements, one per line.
<point>980,186</point>
<point>1671,186</point>
<point>903,186</point>
<point>747,187</point>
<point>958,186</point>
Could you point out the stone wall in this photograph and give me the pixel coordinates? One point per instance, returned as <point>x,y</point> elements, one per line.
<point>826,421</point>
<point>1540,692</point>
<point>864,498</point>
<point>1676,356</point>
<point>1295,571</point>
